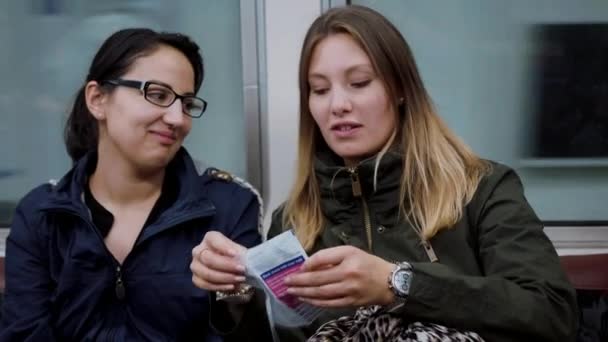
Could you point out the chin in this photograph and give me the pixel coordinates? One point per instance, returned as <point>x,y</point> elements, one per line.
<point>350,153</point>
<point>158,159</point>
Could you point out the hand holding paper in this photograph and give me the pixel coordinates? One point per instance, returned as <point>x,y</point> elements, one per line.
<point>216,264</point>
<point>343,276</point>
<point>268,265</point>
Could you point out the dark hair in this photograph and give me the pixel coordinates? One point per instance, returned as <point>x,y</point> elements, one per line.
<point>113,59</point>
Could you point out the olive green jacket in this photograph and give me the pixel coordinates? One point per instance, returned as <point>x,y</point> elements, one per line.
<point>497,273</point>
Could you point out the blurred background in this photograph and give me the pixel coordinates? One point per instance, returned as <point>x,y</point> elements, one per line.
<point>523,83</point>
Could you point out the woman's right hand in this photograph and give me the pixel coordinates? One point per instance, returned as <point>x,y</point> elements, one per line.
<point>216,263</point>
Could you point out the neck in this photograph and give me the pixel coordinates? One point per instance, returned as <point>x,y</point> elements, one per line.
<point>117,182</point>
<point>351,162</point>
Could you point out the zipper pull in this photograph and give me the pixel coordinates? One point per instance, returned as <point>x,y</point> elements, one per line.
<point>119,289</point>
<point>430,252</point>
<point>354,176</point>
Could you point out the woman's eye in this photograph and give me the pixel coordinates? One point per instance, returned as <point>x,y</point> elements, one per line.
<point>319,91</point>
<point>191,106</point>
<point>158,95</point>
<point>361,84</point>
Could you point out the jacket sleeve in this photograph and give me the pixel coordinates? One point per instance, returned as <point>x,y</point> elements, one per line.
<point>254,323</point>
<point>523,295</point>
<point>26,308</point>
<point>240,321</point>
<point>244,231</point>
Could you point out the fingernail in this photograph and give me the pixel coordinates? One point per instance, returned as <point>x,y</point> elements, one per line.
<point>287,280</point>
<point>290,290</point>
<point>239,279</point>
<point>240,268</point>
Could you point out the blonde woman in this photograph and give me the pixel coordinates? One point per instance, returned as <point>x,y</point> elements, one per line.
<point>396,211</point>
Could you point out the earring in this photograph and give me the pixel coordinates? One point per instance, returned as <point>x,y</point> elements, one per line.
<point>401,106</point>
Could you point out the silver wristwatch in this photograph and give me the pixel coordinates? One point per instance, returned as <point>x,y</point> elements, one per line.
<point>400,281</point>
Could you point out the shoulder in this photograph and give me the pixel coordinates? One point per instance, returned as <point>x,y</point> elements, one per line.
<point>499,176</point>
<point>208,181</point>
<point>277,213</point>
<point>224,184</point>
<point>33,200</point>
<point>501,188</point>
<point>28,223</point>
<point>232,191</point>
<point>276,222</point>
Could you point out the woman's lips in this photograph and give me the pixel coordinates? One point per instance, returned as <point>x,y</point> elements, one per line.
<point>165,138</point>
<point>346,130</point>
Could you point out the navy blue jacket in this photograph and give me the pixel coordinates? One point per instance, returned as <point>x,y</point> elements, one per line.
<point>63,284</point>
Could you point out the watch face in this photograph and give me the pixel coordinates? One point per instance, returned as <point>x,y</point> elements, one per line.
<point>402,280</point>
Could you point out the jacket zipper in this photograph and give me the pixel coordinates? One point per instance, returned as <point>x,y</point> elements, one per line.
<point>119,286</point>
<point>111,257</point>
<point>430,252</point>
<point>357,192</point>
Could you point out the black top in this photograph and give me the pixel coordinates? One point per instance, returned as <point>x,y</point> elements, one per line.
<point>103,219</point>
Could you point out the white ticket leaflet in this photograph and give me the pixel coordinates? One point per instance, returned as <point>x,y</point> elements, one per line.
<point>267,266</point>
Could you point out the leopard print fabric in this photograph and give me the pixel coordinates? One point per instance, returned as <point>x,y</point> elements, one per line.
<point>375,324</point>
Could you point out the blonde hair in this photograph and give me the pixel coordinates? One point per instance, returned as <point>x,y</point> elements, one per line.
<point>440,173</point>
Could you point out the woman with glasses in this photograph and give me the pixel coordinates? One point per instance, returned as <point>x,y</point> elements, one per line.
<point>104,254</point>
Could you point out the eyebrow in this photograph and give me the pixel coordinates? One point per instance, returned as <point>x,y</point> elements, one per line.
<point>189,93</point>
<point>349,70</point>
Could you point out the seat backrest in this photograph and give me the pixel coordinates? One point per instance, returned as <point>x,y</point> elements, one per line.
<point>587,272</point>
<point>1,275</point>
<point>589,276</point>
<point>1,284</point>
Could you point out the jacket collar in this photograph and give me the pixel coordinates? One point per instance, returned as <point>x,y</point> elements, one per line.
<point>336,186</point>
<point>68,193</point>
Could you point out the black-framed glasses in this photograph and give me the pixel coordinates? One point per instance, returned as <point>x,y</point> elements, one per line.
<point>162,95</point>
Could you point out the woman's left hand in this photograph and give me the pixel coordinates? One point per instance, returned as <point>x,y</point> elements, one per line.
<point>342,276</point>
